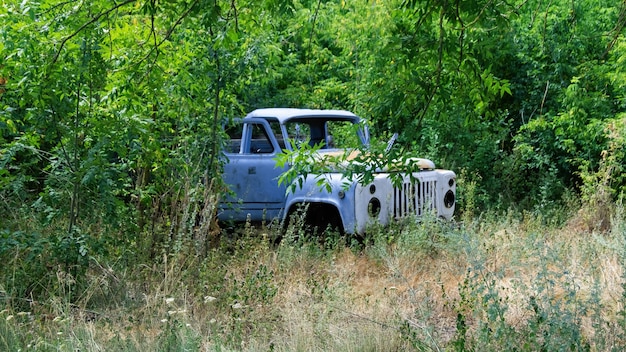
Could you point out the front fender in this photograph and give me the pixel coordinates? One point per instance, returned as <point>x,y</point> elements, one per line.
<point>339,197</point>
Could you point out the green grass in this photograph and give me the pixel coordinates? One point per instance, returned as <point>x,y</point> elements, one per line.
<point>501,281</point>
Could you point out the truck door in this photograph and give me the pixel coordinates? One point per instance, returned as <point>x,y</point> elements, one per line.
<point>252,175</point>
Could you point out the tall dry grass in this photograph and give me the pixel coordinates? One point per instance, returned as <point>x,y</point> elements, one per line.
<point>500,280</point>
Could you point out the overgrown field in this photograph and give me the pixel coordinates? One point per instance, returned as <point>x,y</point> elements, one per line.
<point>112,132</point>
<point>492,282</point>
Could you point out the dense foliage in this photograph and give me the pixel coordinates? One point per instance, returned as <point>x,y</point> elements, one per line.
<point>103,104</point>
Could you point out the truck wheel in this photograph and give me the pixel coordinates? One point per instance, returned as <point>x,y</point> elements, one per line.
<point>314,219</point>
<point>323,217</point>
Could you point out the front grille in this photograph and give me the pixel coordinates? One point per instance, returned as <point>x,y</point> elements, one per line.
<point>414,198</point>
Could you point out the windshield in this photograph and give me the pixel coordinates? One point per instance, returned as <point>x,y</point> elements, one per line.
<point>329,134</point>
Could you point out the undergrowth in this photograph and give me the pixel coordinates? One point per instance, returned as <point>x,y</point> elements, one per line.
<point>504,281</point>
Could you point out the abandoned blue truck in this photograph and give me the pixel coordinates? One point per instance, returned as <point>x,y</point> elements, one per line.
<point>252,173</point>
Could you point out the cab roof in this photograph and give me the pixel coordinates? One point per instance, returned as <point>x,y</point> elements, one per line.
<point>285,114</point>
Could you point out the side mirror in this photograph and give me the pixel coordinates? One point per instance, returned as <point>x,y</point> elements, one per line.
<point>366,134</point>
<point>392,140</point>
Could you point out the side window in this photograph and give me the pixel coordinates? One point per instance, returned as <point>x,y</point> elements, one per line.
<point>234,132</point>
<point>260,142</point>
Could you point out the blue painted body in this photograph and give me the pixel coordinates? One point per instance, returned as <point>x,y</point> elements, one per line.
<point>252,178</point>
<point>311,193</point>
<point>252,174</point>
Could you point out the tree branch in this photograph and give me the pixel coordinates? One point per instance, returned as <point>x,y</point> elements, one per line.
<point>168,34</point>
<point>56,6</point>
<point>87,24</point>
<point>621,23</point>
<point>317,10</point>
<point>438,72</point>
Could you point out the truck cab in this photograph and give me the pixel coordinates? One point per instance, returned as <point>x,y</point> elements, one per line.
<point>252,174</point>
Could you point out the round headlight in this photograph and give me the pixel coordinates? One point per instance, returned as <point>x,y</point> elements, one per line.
<point>372,189</point>
<point>451,182</point>
<point>373,207</point>
<point>448,199</point>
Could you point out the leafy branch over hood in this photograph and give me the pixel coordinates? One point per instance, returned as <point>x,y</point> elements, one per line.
<point>359,165</point>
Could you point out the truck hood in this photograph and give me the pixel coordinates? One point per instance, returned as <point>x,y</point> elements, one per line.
<point>348,156</point>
